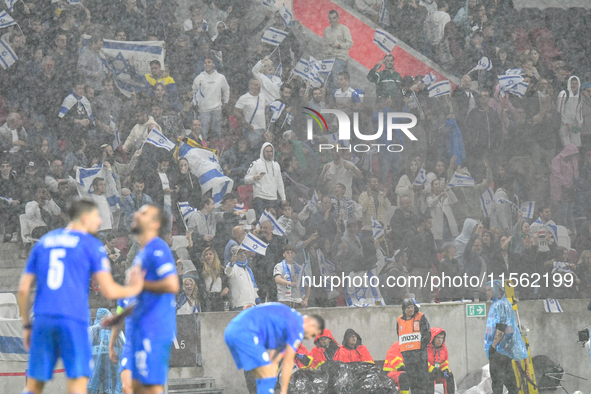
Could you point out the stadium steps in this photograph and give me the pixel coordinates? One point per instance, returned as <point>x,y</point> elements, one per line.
<point>204,385</point>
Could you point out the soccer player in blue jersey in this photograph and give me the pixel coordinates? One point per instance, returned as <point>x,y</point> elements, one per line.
<point>124,371</point>
<point>258,336</point>
<point>61,263</point>
<point>153,319</point>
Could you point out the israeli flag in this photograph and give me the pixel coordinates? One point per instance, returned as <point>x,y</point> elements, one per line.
<point>159,140</point>
<point>7,55</point>
<point>269,3</point>
<point>440,89</point>
<point>314,202</point>
<point>84,178</point>
<point>273,36</point>
<point>74,2</point>
<point>514,71</point>
<point>279,70</point>
<point>518,89</point>
<point>384,40</point>
<point>460,180</point>
<point>7,199</point>
<point>302,69</point>
<point>115,130</point>
<point>276,109</point>
<point>186,209</point>
<point>429,78</point>
<point>252,243</point>
<point>383,16</point>
<point>528,209</point>
<point>6,20</point>
<point>10,4</point>
<point>204,165</point>
<point>11,333</point>
<point>552,306</point>
<point>507,81</point>
<point>486,202</point>
<point>326,65</point>
<point>421,177</point>
<point>286,15</point>
<point>377,229</point>
<point>484,64</point>
<point>277,228</point>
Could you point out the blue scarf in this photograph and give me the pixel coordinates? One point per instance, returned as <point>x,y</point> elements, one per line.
<point>244,264</point>
<point>297,270</point>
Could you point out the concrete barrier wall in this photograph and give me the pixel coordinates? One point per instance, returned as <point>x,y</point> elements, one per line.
<point>554,335</point>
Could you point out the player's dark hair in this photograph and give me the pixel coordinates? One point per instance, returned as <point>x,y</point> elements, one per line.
<point>319,320</point>
<point>79,207</point>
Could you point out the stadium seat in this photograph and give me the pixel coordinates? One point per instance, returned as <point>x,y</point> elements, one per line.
<point>8,306</point>
<point>563,238</point>
<point>245,195</point>
<point>26,230</point>
<point>179,245</point>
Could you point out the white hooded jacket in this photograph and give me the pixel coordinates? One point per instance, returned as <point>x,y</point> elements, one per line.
<point>271,183</point>
<point>568,103</point>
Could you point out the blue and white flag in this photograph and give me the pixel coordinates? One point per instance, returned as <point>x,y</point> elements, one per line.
<point>117,56</point>
<point>440,89</point>
<point>74,2</point>
<point>186,209</point>
<point>377,229</point>
<point>429,78</point>
<point>10,4</point>
<point>314,202</point>
<point>84,178</point>
<point>460,180</point>
<point>7,55</point>
<point>205,166</point>
<point>286,15</point>
<point>279,70</point>
<point>316,80</point>
<point>11,338</point>
<point>486,202</point>
<point>273,36</point>
<point>159,140</point>
<point>278,229</point>
<point>384,40</point>
<point>269,3</point>
<point>7,199</point>
<point>327,270</point>
<point>528,209</point>
<point>358,296</point>
<point>115,130</point>
<point>325,66</point>
<point>514,71</point>
<point>252,243</point>
<point>483,64</point>
<point>552,306</point>
<point>518,89</point>
<point>302,69</point>
<point>507,81</point>
<point>6,20</point>
<point>421,177</point>
<point>383,16</point>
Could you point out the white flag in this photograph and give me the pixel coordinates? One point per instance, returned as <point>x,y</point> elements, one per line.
<point>7,55</point>
<point>277,228</point>
<point>273,36</point>
<point>421,177</point>
<point>252,243</point>
<point>528,209</point>
<point>486,202</point>
<point>314,202</point>
<point>552,306</point>
<point>186,209</point>
<point>269,3</point>
<point>286,15</point>
<point>460,180</point>
<point>484,64</point>
<point>429,78</point>
<point>384,40</point>
<point>377,229</point>
<point>6,20</point>
<point>159,140</point>
<point>326,65</point>
<point>440,89</point>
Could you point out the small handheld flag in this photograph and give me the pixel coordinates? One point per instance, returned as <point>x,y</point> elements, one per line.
<point>254,244</point>
<point>440,89</point>
<point>384,40</point>
<point>429,78</point>
<point>377,229</point>
<point>157,139</point>
<point>460,180</point>
<point>273,36</point>
<point>484,64</point>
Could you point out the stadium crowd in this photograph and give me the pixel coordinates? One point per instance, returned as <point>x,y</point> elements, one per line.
<point>58,103</point>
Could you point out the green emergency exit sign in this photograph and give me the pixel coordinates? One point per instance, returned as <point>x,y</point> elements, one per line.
<point>476,310</point>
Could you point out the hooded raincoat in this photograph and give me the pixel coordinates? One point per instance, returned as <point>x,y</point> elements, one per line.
<point>319,354</point>
<point>568,106</point>
<point>348,354</point>
<point>105,376</point>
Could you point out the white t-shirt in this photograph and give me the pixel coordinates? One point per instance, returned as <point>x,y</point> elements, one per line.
<point>104,212</point>
<point>165,185</point>
<point>15,148</point>
<point>283,293</point>
<point>249,104</point>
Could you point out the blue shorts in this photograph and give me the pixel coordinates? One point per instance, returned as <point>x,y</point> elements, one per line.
<point>125,359</point>
<point>150,359</point>
<point>247,351</point>
<point>56,337</point>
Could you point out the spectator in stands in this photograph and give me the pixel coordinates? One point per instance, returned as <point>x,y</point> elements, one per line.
<point>374,204</point>
<point>565,170</point>
<point>292,290</point>
<point>265,174</point>
<point>325,349</point>
<point>238,234</point>
<point>352,349</point>
<point>64,62</point>
<point>132,21</point>
<point>464,100</point>
<point>39,213</point>
<point>434,28</point>
<point>76,114</point>
<point>280,112</point>
<point>115,258</point>
<point>213,282</point>
<point>56,174</point>
<point>27,183</point>
<point>134,201</point>
<point>323,221</point>
<point>262,266</point>
<point>345,208</point>
<point>236,160</point>
<point>188,302</point>
<point>388,81</point>
<point>159,75</point>
<point>568,102</point>
<point>346,98</point>
<point>407,188</point>
<point>243,287</point>
<point>349,250</point>
<point>422,254</point>
<point>475,262</point>
<point>402,221</point>
<point>160,186</point>
<point>189,187</point>
<point>583,271</point>
<point>337,41</point>
<point>503,261</point>
<point>250,113</point>
<point>584,119</point>
<point>202,226</point>
<point>196,25</point>
<point>76,158</point>
<point>264,72</point>
<point>104,208</point>
<point>10,205</point>
<point>106,106</point>
<point>120,170</point>
<point>468,205</point>
<point>440,203</point>
<point>339,171</point>
<point>474,52</point>
<point>90,65</point>
<point>13,136</point>
<point>396,267</point>
<point>212,92</point>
